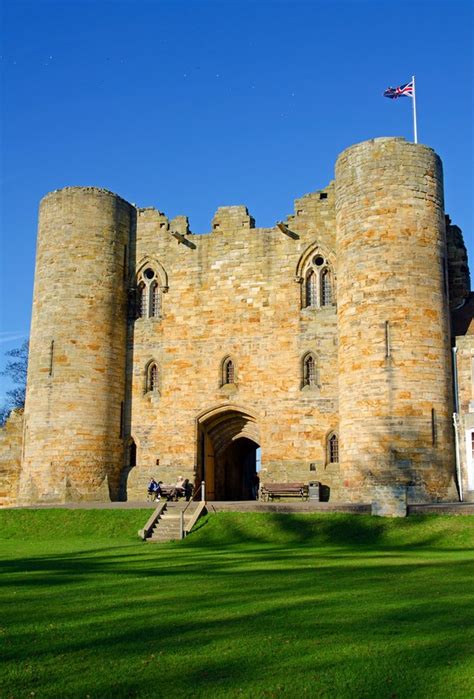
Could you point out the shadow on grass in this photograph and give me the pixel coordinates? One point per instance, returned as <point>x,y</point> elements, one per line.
<point>335,530</point>
<point>272,605</point>
<point>242,622</point>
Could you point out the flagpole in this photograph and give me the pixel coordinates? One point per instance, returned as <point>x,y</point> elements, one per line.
<point>415,130</point>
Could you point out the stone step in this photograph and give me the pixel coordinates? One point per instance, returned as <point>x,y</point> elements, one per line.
<point>168,525</point>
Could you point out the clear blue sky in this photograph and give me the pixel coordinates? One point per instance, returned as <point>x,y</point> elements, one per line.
<point>189,105</point>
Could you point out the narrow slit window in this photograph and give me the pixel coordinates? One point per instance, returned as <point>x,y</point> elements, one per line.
<point>51,357</point>
<point>309,371</point>
<point>434,431</point>
<point>387,339</point>
<point>333,449</point>
<point>124,261</point>
<point>229,371</point>
<point>153,377</point>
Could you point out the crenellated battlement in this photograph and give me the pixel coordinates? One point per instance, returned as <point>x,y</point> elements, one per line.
<point>323,339</point>
<point>232,217</point>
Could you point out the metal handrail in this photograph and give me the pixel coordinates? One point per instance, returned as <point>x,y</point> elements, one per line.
<point>199,489</point>
<point>194,518</point>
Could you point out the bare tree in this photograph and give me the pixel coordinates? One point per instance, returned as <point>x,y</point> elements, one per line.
<point>16,369</point>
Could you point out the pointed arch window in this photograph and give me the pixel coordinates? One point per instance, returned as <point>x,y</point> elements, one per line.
<point>311,289</point>
<point>141,300</point>
<point>148,294</point>
<point>228,372</point>
<point>151,384</point>
<point>326,288</point>
<point>310,377</point>
<point>319,284</point>
<point>155,300</point>
<point>333,448</point>
<point>153,377</point>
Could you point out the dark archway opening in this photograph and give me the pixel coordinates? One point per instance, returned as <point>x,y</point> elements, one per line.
<point>132,454</point>
<point>130,462</point>
<point>228,453</point>
<point>236,472</point>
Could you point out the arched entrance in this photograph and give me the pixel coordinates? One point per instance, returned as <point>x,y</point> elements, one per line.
<point>228,439</point>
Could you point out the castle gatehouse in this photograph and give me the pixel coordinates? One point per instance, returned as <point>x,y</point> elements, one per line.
<point>319,349</point>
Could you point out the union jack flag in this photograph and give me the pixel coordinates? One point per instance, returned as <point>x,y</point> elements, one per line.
<point>395,92</point>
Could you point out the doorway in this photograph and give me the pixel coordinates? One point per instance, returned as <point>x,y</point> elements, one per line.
<point>228,453</point>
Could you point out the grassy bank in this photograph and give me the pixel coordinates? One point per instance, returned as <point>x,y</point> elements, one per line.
<point>249,605</point>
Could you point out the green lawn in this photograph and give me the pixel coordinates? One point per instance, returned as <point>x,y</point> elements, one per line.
<point>259,605</point>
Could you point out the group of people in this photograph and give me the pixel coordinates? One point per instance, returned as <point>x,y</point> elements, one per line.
<point>154,490</point>
<point>182,488</point>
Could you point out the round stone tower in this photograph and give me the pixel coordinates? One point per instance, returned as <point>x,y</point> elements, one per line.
<point>74,412</point>
<point>394,343</point>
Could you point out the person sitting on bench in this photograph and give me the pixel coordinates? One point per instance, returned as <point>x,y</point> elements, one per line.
<point>188,489</point>
<point>178,490</point>
<point>158,491</point>
<point>152,486</point>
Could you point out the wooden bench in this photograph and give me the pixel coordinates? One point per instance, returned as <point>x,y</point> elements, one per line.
<point>269,491</point>
<point>165,490</point>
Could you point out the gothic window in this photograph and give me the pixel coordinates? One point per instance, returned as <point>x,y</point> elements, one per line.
<point>155,300</point>
<point>311,289</point>
<point>152,378</point>
<point>319,285</point>
<point>309,370</point>
<point>333,448</point>
<point>326,290</point>
<point>141,300</point>
<point>228,371</point>
<point>148,294</point>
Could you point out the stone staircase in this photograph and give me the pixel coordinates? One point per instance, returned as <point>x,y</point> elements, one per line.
<point>167,526</point>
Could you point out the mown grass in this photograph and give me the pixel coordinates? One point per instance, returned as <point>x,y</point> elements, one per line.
<point>260,605</point>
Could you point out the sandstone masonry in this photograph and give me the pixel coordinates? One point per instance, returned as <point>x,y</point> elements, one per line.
<point>323,342</point>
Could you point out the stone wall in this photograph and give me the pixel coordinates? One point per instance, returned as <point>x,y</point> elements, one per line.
<point>236,292</point>
<point>458,269</point>
<point>465,376</point>
<point>10,458</point>
<point>134,318</point>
